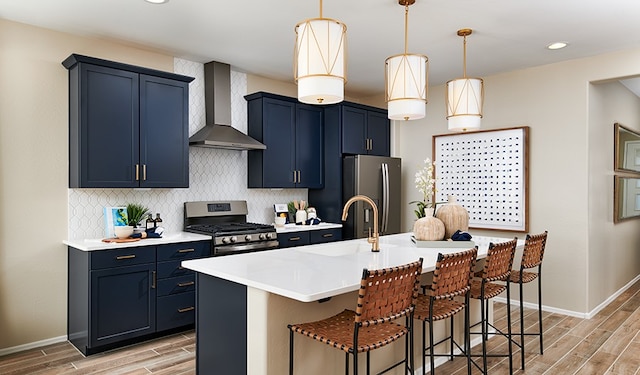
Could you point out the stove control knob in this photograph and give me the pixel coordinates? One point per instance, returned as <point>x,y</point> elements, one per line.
<point>233,239</point>
<point>261,236</point>
<point>225,239</point>
<point>268,236</point>
<point>247,237</point>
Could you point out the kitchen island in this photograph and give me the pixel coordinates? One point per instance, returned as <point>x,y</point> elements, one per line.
<point>245,301</point>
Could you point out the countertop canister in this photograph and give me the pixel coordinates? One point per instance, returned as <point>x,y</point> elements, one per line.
<point>454,216</point>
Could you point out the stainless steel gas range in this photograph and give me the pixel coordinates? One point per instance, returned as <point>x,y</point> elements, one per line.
<point>226,222</point>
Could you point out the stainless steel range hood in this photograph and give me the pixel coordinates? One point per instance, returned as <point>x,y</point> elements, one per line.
<point>218,132</point>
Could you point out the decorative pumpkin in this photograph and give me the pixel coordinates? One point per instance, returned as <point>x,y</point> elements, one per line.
<point>454,216</point>
<point>428,228</point>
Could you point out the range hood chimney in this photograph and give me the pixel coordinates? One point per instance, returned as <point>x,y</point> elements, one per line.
<point>218,132</point>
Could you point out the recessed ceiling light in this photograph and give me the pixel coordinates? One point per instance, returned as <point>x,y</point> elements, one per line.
<point>557,45</point>
<point>157,1</point>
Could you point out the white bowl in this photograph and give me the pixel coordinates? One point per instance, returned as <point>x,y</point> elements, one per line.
<point>124,231</point>
<point>280,221</point>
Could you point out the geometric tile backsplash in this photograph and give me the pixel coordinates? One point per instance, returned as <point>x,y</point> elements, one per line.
<point>214,174</point>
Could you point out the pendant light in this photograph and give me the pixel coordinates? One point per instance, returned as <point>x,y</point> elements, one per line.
<point>319,60</point>
<point>464,97</point>
<point>406,80</point>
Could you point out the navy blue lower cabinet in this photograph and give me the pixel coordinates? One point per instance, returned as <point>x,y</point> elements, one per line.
<point>309,237</point>
<point>123,303</point>
<point>120,296</point>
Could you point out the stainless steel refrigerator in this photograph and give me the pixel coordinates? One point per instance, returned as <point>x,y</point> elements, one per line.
<point>377,177</point>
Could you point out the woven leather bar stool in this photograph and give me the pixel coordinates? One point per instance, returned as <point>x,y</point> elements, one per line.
<point>531,258</point>
<point>497,268</point>
<point>451,278</point>
<point>385,295</point>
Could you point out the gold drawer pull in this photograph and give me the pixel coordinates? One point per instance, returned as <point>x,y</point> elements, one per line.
<point>294,239</point>
<point>186,250</point>
<point>186,309</point>
<point>327,235</point>
<point>189,283</point>
<point>121,257</point>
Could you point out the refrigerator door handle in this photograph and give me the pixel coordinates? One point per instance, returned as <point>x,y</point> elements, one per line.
<point>385,197</point>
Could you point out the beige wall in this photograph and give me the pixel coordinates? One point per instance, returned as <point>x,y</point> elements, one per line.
<point>614,256</point>
<point>553,101</point>
<point>33,180</point>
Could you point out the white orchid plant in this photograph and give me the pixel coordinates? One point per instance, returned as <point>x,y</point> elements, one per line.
<point>426,184</point>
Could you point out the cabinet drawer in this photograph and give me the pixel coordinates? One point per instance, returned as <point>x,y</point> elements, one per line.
<point>174,285</point>
<point>293,239</point>
<point>171,269</point>
<point>325,235</point>
<point>184,250</point>
<point>122,257</point>
<point>176,310</point>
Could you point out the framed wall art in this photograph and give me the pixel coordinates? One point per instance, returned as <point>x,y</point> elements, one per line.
<point>626,192</point>
<point>626,155</point>
<point>487,172</point>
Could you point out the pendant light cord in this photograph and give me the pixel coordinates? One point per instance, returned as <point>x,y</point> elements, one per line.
<point>464,61</point>
<point>406,27</point>
<point>320,8</point>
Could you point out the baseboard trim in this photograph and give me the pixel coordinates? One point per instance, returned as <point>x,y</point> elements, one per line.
<point>587,315</point>
<point>617,294</point>
<point>32,345</point>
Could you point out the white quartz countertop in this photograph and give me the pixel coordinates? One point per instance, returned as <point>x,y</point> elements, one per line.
<point>167,238</point>
<point>310,273</point>
<point>289,228</point>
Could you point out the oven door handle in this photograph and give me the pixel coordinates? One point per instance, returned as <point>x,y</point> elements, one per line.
<point>231,249</point>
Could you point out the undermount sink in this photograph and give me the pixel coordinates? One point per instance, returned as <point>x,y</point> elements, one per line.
<point>340,248</point>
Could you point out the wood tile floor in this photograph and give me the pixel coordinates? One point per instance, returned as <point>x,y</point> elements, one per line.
<point>607,344</point>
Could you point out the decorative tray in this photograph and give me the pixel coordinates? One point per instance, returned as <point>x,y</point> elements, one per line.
<point>436,244</point>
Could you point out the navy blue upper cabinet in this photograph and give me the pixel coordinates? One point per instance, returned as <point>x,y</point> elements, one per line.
<point>128,126</point>
<point>365,130</point>
<point>292,132</point>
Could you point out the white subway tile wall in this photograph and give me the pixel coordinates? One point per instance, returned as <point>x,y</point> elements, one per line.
<point>214,174</point>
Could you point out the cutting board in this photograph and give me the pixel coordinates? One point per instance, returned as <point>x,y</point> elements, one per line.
<point>120,240</point>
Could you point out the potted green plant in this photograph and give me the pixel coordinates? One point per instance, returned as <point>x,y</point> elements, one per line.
<point>135,213</point>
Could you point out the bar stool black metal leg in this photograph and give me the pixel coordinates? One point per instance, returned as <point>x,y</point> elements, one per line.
<point>521,324</point>
<point>432,358</point>
<point>509,337</point>
<point>467,334</point>
<point>539,308</point>
<point>346,363</point>
<point>290,352</point>
<point>424,348</point>
<point>484,334</point>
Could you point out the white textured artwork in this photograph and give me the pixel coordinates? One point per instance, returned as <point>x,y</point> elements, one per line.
<point>487,173</point>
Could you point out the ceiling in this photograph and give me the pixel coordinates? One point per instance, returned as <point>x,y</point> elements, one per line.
<point>257,36</point>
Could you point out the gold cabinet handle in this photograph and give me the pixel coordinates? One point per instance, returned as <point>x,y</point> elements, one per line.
<point>137,172</point>
<point>294,177</point>
<point>186,309</point>
<point>186,250</point>
<point>327,235</point>
<point>153,279</point>
<point>144,172</point>
<point>189,283</point>
<point>294,239</point>
<point>299,178</point>
<point>121,257</point>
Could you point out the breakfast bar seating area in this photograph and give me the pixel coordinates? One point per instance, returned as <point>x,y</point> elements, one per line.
<point>265,292</point>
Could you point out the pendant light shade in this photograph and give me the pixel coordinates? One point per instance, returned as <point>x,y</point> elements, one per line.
<point>406,79</point>
<point>320,63</point>
<point>465,97</point>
